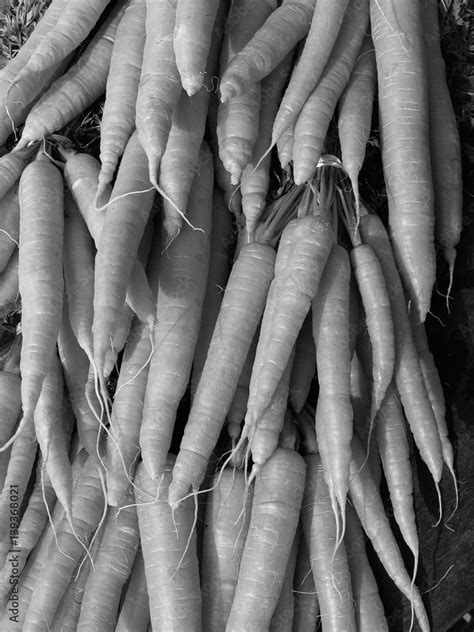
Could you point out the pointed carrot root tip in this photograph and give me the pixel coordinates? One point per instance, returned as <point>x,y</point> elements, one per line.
<point>172,223</point>
<point>176,492</point>
<point>192,82</point>
<point>228,90</point>
<point>449,255</point>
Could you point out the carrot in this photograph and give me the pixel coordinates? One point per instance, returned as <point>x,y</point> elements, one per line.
<point>11,166</point>
<point>391,434</point>
<point>50,435</point>
<point>267,47</point>
<point>225,530</point>
<point>75,366</point>
<point>238,406</point>
<point>328,563</point>
<point>119,340</point>
<point>398,38</point>
<point>237,118</point>
<point>9,225</point>
<point>367,502</point>
<point>160,86</point>
<point>325,25</point>
<point>87,508</point>
<point>369,612</point>
<point>74,23</point>
<point>304,365</point>
<point>306,609</point>
<point>182,287</point>
<point>408,377</point>
<point>40,276</point>
<point>169,550</point>
<point>378,319</point>
<point>122,230</point>
<point>355,114</point>
<point>275,512</point>
<point>445,149</point>
<point>246,289</point>
<point>283,615</point>
<point>10,406</point>
<point>285,145</point>
<point>319,106</point>
<point>192,40</point>
<point>304,247</point>
<point>135,612</point>
<point>77,88</point>
<point>118,116</point>
<point>112,566</point>
<point>78,267</point>
<point>23,93</point>
<point>255,178</point>
<point>181,158</point>
<point>222,242</point>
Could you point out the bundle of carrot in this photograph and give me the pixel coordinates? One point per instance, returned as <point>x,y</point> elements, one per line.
<point>220,350</point>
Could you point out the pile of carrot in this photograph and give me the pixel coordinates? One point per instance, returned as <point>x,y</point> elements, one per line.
<point>221,350</point>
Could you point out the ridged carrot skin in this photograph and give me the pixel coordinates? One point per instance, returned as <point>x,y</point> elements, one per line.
<point>241,309</point>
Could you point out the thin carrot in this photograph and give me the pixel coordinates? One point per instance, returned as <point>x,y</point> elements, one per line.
<point>276,505</point>
<point>226,525</point>
<point>316,112</point>
<point>160,85</point>
<point>118,116</point>
<point>334,415</point>
<point>77,88</point>
<point>169,550</point>
<point>246,290</point>
<point>367,502</point>
<point>192,40</point>
<point>398,38</point>
<point>355,113</point>
<point>267,47</point>
<point>9,225</point>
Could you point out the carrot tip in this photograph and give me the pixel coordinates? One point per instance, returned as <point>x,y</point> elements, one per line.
<point>228,91</point>
<point>192,82</point>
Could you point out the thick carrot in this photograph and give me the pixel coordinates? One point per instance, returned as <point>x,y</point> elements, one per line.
<point>334,414</point>
<point>445,149</point>
<point>9,225</point>
<point>181,158</point>
<point>378,318</point>
<point>329,565</point>
<point>318,109</point>
<point>246,291</point>
<point>355,113</point>
<point>408,376</point>
<point>267,47</point>
<point>135,612</point>
<point>398,38</point>
<point>369,611</point>
<point>169,549</point>
<point>77,88</point>
<point>276,505</point>
<point>112,566</point>
<point>192,40</point>
<point>302,253</point>
<point>304,365</point>
<point>225,531</point>
<point>87,508</point>
<point>367,502</point>
<point>181,292</point>
<point>160,86</point>
<point>118,116</point>
<point>118,245</point>
<point>40,274</point>
<point>222,242</point>
<point>237,119</point>
<point>325,25</point>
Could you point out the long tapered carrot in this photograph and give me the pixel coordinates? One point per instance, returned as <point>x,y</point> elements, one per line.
<point>397,34</point>
<point>182,286</point>
<point>246,291</point>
